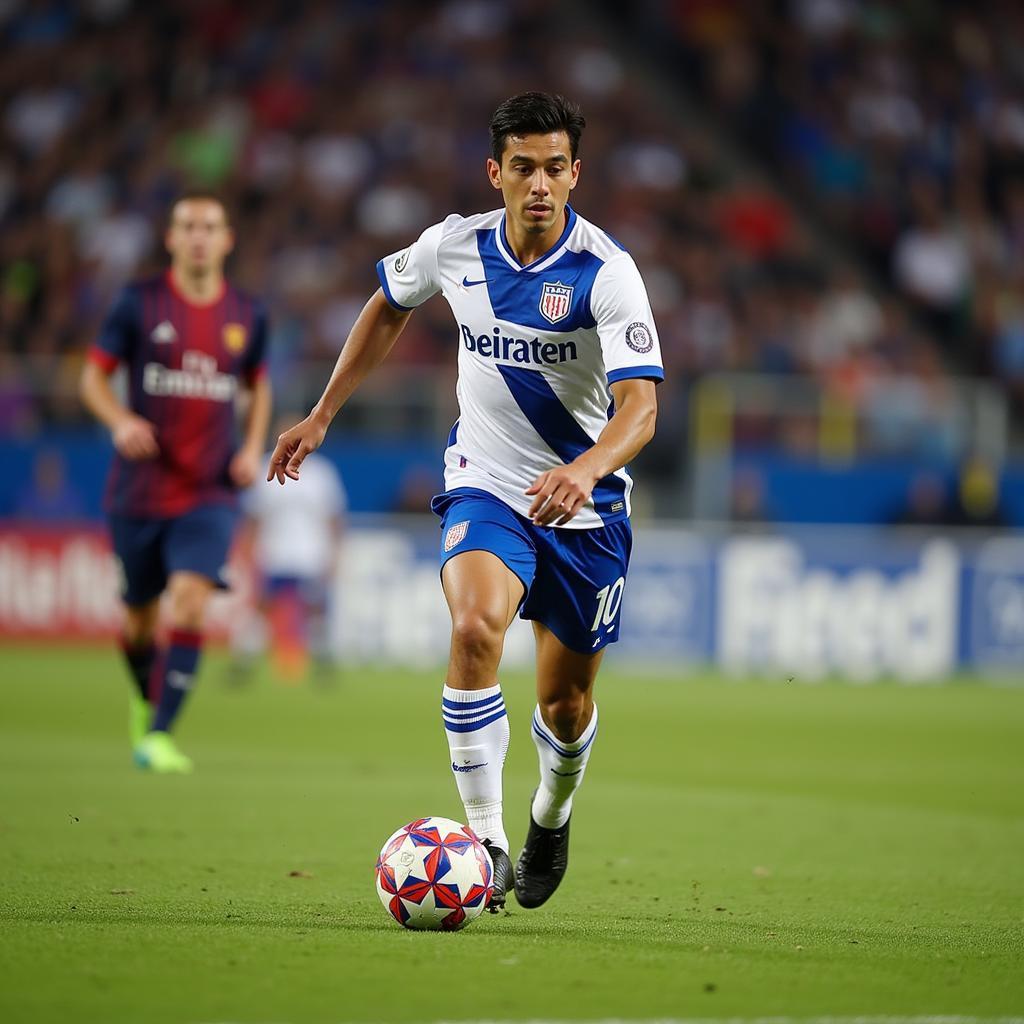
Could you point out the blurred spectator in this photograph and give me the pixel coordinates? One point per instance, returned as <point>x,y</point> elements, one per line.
<point>977,500</point>
<point>748,501</point>
<point>926,503</point>
<point>49,497</point>
<point>338,133</point>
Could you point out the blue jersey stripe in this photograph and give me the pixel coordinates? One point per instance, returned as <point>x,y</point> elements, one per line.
<point>387,289</point>
<point>516,296</point>
<point>629,372</point>
<point>561,432</point>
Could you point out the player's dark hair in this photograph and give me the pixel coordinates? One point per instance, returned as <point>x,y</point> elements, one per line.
<point>535,113</point>
<point>200,195</point>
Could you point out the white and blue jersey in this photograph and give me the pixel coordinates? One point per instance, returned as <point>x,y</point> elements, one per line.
<point>539,346</point>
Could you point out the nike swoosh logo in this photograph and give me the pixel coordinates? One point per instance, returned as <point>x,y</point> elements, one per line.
<point>466,283</point>
<point>568,775</point>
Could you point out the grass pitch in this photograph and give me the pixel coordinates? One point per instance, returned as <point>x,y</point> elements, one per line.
<point>739,850</point>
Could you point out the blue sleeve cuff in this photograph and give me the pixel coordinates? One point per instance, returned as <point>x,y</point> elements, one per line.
<point>655,373</point>
<point>387,289</point>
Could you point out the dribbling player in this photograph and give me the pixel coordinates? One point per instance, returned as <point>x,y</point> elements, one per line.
<point>558,360</point>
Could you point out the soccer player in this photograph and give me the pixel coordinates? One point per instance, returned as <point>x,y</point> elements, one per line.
<point>189,340</point>
<point>295,536</point>
<point>558,359</point>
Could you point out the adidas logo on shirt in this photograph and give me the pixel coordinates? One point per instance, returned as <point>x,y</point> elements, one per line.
<point>164,333</point>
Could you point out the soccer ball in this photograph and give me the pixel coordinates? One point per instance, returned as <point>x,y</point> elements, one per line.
<point>434,874</point>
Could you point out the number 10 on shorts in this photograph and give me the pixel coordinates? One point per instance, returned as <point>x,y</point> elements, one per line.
<point>608,600</point>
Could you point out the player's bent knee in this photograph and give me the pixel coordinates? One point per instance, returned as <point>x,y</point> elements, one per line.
<point>477,634</point>
<point>567,716</point>
<point>188,602</point>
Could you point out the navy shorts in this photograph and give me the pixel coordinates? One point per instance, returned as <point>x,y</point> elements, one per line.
<point>311,590</point>
<point>573,578</point>
<point>149,550</point>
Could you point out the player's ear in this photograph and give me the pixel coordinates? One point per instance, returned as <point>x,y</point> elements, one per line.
<point>229,241</point>
<point>494,172</point>
<point>575,174</point>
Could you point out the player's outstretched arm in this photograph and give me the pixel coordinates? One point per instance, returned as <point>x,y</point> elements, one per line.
<point>134,437</point>
<point>561,492</point>
<point>370,340</point>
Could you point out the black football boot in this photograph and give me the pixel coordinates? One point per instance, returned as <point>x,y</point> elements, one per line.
<point>501,880</point>
<point>542,863</point>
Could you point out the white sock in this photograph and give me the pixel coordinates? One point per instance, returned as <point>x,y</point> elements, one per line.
<point>476,725</point>
<point>562,766</point>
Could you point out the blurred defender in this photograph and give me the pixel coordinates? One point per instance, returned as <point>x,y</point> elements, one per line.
<point>188,339</point>
<point>294,535</point>
<point>558,359</point>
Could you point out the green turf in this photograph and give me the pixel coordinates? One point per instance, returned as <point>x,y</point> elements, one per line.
<point>739,850</point>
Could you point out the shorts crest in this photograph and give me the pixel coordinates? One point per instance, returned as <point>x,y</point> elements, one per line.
<point>555,301</point>
<point>456,535</point>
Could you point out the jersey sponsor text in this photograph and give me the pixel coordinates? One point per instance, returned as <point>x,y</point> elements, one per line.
<point>197,378</point>
<point>518,350</point>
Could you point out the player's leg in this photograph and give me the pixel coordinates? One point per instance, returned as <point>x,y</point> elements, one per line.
<point>487,565</point>
<point>483,595</point>
<point>564,727</point>
<point>188,595</point>
<point>138,645</point>
<point>137,547</point>
<point>564,724</point>
<point>195,551</point>
<point>313,592</point>
<point>575,603</point>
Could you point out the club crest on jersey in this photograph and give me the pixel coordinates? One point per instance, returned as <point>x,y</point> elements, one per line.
<point>456,535</point>
<point>639,338</point>
<point>555,301</point>
<point>234,338</point>
<point>164,333</point>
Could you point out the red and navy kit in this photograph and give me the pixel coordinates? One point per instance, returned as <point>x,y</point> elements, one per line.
<point>185,362</point>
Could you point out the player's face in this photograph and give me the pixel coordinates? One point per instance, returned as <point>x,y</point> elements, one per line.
<point>536,175</point>
<point>199,238</point>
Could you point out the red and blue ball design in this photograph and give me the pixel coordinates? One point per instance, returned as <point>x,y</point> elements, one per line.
<point>434,874</point>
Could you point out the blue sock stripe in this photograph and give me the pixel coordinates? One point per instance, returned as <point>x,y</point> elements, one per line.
<point>468,710</point>
<point>473,726</point>
<point>476,717</point>
<point>460,705</point>
<point>540,730</point>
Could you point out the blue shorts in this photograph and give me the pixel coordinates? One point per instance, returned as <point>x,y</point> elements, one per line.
<point>573,578</point>
<point>311,590</point>
<point>149,550</point>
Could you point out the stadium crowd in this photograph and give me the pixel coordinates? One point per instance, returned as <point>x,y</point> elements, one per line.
<point>902,124</point>
<point>336,132</point>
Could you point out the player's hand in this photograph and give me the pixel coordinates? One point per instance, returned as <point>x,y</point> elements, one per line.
<point>244,467</point>
<point>293,446</point>
<point>135,438</point>
<point>559,494</point>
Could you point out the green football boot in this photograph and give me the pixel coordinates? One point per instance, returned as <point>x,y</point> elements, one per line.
<point>140,714</point>
<point>158,753</point>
